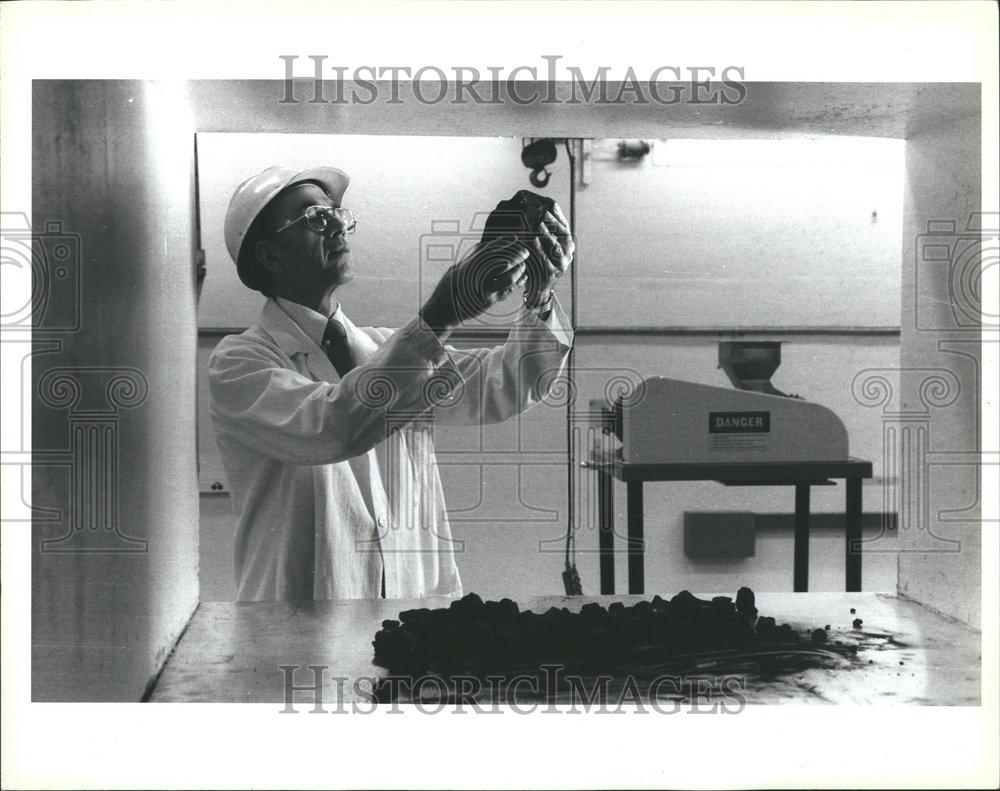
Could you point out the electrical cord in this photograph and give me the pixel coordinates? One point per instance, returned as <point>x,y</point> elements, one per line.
<point>571,577</point>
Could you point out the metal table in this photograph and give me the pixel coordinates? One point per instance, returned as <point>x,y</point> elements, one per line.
<point>801,475</point>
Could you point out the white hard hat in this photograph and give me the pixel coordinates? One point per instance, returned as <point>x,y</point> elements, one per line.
<point>256,192</point>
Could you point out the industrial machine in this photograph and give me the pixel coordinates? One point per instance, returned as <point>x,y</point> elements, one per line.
<point>670,421</point>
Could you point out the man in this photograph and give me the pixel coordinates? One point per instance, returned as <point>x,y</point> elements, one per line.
<point>323,425</point>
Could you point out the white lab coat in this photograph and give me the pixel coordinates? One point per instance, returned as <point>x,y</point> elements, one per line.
<point>335,480</point>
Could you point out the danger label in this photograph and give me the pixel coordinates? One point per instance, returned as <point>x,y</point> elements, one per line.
<point>739,422</point>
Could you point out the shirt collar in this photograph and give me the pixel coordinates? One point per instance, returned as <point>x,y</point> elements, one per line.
<point>313,324</point>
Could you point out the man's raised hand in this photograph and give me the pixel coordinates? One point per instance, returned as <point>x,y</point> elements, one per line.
<point>487,275</point>
<point>554,248</point>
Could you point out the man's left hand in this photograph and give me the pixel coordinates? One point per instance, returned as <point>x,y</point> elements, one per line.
<point>554,246</point>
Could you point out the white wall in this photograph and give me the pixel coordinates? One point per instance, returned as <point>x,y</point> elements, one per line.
<point>941,562</point>
<point>743,233</point>
<point>793,241</point>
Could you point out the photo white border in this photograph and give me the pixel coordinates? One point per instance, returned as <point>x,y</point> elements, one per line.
<point>127,745</point>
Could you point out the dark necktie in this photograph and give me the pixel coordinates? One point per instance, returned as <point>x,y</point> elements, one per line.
<point>337,349</point>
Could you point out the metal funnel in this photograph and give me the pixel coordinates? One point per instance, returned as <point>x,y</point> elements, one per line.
<point>751,364</point>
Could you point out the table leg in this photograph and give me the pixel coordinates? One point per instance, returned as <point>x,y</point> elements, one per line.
<point>801,563</point>
<point>636,547</point>
<point>606,529</point>
<point>853,534</point>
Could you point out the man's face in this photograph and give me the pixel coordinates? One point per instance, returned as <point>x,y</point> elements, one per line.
<point>303,261</point>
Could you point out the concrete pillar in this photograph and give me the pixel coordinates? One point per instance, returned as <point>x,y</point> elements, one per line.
<point>945,243</point>
<point>114,489</point>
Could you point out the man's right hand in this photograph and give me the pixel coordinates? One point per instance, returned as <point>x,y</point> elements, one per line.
<point>487,275</point>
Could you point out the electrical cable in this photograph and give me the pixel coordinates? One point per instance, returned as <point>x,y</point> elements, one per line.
<point>570,466</point>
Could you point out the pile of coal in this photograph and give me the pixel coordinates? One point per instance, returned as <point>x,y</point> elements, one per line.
<point>496,636</point>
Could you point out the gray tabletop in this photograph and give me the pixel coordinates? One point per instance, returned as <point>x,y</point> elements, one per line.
<point>233,652</point>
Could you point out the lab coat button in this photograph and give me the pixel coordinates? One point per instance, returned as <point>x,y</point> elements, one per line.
<point>380,521</point>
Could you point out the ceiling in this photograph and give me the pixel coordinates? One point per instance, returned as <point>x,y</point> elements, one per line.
<point>769,110</point>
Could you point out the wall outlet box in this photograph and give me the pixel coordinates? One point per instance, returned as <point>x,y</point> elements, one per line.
<point>715,535</point>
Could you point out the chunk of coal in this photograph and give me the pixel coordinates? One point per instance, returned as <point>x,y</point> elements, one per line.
<point>827,627</point>
<point>390,624</point>
<point>765,624</point>
<point>469,604</point>
<point>818,636</point>
<point>520,216</point>
<point>686,599</point>
<point>856,623</point>
<point>745,600</point>
<point>852,611</point>
<point>509,608</point>
<point>411,616</point>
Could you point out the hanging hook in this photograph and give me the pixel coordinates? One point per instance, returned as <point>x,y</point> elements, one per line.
<point>536,156</point>
<point>539,177</point>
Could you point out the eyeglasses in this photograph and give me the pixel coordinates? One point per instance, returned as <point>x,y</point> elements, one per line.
<point>325,220</point>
